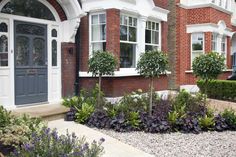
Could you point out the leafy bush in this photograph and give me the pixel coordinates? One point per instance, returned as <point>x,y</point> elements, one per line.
<point>84,113</point>
<point>48,143</point>
<point>5,117</point>
<point>152,64</point>
<point>207,123</point>
<point>72,102</point>
<point>230,118</point>
<point>208,67</point>
<point>219,89</point>
<point>134,120</point>
<point>99,119</point>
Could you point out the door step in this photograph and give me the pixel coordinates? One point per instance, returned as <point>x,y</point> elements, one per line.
<point>47,112</point>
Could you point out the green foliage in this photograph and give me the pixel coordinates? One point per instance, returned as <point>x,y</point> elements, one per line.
<point>19,129</point>
<point>134,119</point>
<point>230,117</point>
<point>152,64</point>
<point>71,102</point>
<point>84,113</point>
<point>173,117</point>
<point>5,117</point>
<point>219,89</point>
<point>102,63</point>
<point>208,66</point>
<point>185,102</point>
<point>206,122</point>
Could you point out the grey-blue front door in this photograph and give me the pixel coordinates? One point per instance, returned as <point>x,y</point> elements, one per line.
<point>31,80</point>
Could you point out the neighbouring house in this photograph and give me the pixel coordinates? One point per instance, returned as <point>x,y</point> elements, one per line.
<point>45,44</point>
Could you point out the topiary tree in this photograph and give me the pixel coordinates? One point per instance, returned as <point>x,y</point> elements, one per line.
<point>152,64</point>
<point>102,63</point>
<point>208,67</point>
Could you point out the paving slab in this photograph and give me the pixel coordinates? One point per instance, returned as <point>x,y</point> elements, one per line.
<point>113,147</point>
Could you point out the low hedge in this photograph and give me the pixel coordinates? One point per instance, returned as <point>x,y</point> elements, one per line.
<point>219,89</point>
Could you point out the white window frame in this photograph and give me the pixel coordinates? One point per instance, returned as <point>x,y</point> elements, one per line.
<point>131,42</point>
<point>57,40</point>
<point>203,46</point>
<point>223,53</point>
<point>219,42</point>
<point>91,42</point>
<point>8,43</point>
<point>214,38</point>
<point>159,34</point>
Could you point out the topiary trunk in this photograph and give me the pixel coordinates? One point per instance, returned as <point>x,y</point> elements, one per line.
<point>151,96</point>
<point>99,91</point>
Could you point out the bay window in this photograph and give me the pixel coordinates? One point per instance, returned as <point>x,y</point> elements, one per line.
<point>152,37</point>
<point>128,41</point>
<point>98,32</point>
<point>223,46</point>
<point>197,40</point>
<point>214,42</point>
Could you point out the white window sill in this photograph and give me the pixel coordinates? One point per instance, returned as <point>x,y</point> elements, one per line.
<point>191,71</point>
<point>124,72</point>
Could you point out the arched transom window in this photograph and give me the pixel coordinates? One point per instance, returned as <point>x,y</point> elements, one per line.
<point>28,8</point>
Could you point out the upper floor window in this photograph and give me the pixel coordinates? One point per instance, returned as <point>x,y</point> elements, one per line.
<point>222,3</point>
<point>152,36</point>
<point>128,41</point>
<point>28,8</point>
<point>197,41</point>
<point>98,32</point>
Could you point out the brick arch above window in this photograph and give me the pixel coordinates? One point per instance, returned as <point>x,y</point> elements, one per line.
<point>58,8</point>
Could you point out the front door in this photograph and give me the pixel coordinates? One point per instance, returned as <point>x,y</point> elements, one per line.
<point>31,80</point>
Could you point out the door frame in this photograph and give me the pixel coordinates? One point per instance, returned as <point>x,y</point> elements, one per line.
<point>45,55</point>
<point>52,98</point>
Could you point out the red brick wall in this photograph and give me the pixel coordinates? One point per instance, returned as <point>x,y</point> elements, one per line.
<point>164,33</point>
<point>84,51</point>
<point>68,69</point>
<point>118,86</point>
<point>161,3</point>
<point>113,32</point>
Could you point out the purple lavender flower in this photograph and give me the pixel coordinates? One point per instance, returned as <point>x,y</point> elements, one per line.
<point>102,140</point>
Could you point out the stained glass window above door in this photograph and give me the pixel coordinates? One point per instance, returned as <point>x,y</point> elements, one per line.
<point>28,8</point>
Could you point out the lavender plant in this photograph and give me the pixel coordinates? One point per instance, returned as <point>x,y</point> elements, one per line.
<point>47,143</point>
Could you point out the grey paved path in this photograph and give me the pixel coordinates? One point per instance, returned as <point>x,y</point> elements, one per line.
<point>113,147</point>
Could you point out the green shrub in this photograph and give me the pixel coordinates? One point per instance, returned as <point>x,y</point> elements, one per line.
<point>72,102</point>
<point>173,117</point>
<point>5,117</point>
<point>84,113</point>
<point>134,120</point>
<point>230,118</point>
<point>219,89</point>
<point>206,123</point>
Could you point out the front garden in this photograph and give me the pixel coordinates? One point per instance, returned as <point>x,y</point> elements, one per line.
<point>30,137</point>
<point>147,112</point>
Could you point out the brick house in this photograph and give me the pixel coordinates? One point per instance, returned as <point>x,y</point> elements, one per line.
<point>45,44</point>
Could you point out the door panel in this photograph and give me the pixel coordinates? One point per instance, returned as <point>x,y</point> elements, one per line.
<point>31,80</point>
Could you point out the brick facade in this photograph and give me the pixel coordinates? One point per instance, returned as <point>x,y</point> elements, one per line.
<point>186,17</point>
<point>68,67</point>
<point>118,86</point>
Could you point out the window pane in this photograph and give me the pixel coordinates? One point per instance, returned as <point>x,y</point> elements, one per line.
<point>54,33</point>
<point>132,34</point>
<point>130,21</point>
<point>28,8</point>
<point>30,29</point>
<point>95,33</point>
<point>3,27</point>
<point>3,44</point>
<point>3,51</point>
<point>127,55</point>
<point>148,36</point>
<point>22,51</point>
<point>103,32</point>
<point>39,51</point>
<point>54,53</point>
<point>123,33</point>
<point>135,22</point>
<point>102,18</point>
<point>155,37</point>
<point>197,42</point>
<point>151,48</point>
<point>94,19</point>
<point>157,26</point>
<point>101,46</point>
